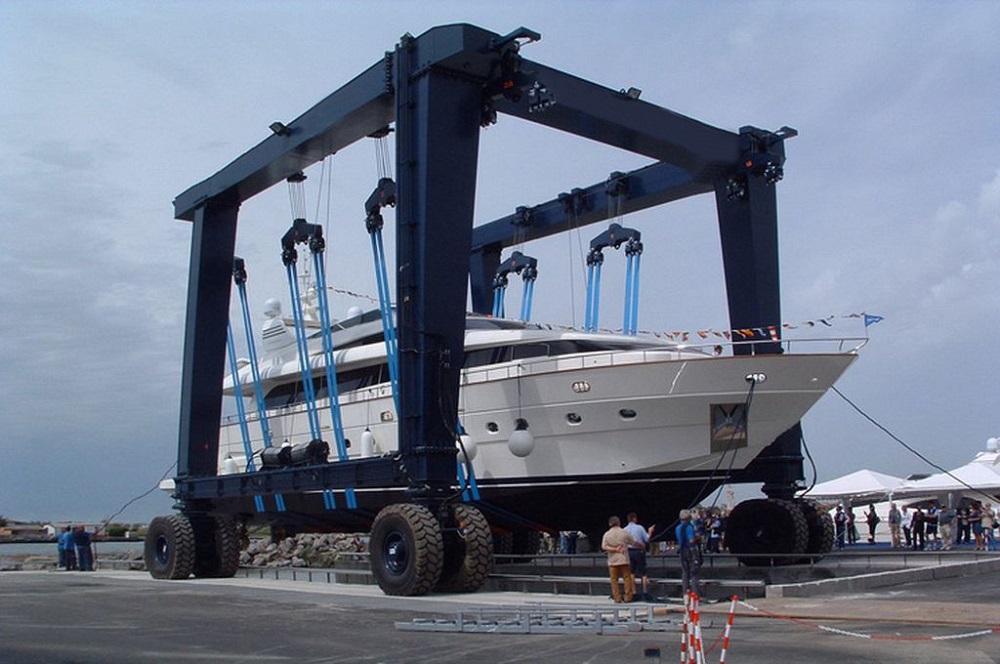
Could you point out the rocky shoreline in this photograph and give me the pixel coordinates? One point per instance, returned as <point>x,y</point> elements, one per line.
<point>305,550</point>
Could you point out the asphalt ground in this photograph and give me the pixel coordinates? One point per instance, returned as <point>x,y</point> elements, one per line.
<point>112,617</point>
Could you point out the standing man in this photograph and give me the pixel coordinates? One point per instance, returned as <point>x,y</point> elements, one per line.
<point>906,523</point>
<point>840,523</point>
<point>637,551</point>
<point>895,520</point>
<point>84,554</point>
<point>68,548</point>
<point>872,519</point>
<point>616,543</point>
<point>689,548</point>
<point>946,520</point>
<point>931,527</point>
<point>918,529</point>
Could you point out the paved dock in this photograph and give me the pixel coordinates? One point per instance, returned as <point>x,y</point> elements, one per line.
<point>119,616</point>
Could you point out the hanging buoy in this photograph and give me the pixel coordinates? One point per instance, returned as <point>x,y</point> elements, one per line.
<point>469,445</point>
<point>521,442</point>
<point>229,465</point>
<point>367,443</point>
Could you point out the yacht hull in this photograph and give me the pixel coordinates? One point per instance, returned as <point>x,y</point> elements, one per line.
<point>648,430</point>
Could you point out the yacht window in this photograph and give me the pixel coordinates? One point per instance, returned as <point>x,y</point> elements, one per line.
<point>530,350</point>
<point>627,414</point>
<point>289,394</point>
<point>282,395</point>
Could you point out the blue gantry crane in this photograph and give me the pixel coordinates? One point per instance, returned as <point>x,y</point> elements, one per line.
<point>439,90</point>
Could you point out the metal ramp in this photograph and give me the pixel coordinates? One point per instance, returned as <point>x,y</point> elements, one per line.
<point>546,620</point>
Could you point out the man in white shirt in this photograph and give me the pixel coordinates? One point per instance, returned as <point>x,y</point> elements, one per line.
<point>637,551</point>
<point>906,523</point>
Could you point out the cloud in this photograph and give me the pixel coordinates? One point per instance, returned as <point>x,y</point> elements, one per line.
<point>989,200</point>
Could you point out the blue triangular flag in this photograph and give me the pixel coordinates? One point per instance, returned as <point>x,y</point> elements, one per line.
<point>872,319</point>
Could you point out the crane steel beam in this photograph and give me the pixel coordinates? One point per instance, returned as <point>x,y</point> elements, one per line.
<point>616,118</point>
<point>361,107</point>
<point>650,186</point>
<point>356,110</point>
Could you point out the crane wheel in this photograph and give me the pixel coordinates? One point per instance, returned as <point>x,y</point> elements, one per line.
<point>169,549</point>
<point>407,550</point>
<point>767,526</point>
<point>820,527</point>
<point>468,551</point>
<point>217,546</point>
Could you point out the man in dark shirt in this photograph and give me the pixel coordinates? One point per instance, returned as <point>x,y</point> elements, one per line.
<point>918,530</point>
<point>84,555</point>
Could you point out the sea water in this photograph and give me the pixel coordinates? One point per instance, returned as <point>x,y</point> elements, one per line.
<point>49,548</point>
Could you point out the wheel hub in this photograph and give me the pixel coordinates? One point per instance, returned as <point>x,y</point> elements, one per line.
<point>396,553</point>
<point>162,550</point>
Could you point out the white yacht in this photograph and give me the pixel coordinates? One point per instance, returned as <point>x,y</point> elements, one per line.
<point>609,415</point>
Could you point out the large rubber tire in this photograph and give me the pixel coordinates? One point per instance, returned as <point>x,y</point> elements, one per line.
<point>468,552</point>
<point>763,526</point>
<point>217,546</point>
<point>820,527</point>
<point>169,547</point>
<point>407,550</point>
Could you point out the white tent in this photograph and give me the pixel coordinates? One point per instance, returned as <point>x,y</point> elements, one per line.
<point>980,475</point>
<point>861,486</point>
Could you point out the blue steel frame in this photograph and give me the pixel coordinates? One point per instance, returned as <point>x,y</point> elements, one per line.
<point>438,88</point>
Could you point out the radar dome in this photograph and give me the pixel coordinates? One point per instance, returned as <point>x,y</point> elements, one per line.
<point>272,308</point>
<point>354,311</point>
<point>993,444</point>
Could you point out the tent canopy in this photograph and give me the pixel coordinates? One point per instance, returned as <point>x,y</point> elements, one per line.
<point>971,478</point>
<point>860,486</point>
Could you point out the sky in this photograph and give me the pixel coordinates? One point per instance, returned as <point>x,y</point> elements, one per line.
<point>890,203</point>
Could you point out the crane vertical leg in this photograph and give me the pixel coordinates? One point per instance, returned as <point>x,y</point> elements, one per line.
<point>437,123</point>
<point>748,227</point>
<point>209,280</point>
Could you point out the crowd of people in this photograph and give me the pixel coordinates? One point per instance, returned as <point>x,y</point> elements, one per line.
<point>924,527</point>
<point>920,528</point>
<point>75,552</point>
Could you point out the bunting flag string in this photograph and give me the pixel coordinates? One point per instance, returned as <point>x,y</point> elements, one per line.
<point>742,334</point>
<point>765,332</point>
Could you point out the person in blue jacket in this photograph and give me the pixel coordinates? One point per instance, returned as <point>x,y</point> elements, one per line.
<point>689,549</point>
<point>67,553</point>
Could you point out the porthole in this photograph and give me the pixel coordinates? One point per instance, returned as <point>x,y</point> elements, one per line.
<point>573,419</point>
<point>493,427</point>
<point>627,414</point>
